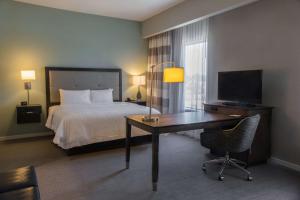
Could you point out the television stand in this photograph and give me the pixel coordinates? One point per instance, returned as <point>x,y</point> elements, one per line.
<point>238,104</point>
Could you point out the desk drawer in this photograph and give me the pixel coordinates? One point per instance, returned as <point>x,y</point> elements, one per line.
<point>224,110</point>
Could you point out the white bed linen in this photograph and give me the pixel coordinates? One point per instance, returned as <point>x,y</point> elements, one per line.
<point>78,125</point>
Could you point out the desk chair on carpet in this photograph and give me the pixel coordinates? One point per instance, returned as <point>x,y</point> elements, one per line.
<point>236,140</point>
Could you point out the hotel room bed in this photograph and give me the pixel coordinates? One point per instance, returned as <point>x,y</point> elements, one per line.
<point>79,125</point>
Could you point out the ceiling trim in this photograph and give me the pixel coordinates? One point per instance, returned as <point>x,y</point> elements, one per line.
<point>133,10</point>
<point>155,21</point>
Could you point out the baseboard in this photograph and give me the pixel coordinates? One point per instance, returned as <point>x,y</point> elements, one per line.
<point>23,136</point>
<point>284,163</point>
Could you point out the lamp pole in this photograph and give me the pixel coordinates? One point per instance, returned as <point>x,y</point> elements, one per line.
<point>28,96</point>
<point>27,86</point>
<point>149,118</point>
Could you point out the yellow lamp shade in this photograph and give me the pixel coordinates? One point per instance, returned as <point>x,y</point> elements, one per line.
<point>174,75</point>
<point>28,75</point>
<point>139,80</point>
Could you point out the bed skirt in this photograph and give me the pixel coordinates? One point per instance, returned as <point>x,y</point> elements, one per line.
<point>113,144</point>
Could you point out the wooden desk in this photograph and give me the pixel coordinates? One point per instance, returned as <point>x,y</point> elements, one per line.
<point>173,123</point>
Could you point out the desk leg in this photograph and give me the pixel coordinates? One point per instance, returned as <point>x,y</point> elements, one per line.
<point>128,140</point>
<point>155,159</point>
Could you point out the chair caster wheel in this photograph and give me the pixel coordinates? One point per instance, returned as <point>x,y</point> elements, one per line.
<point>249,178</point>
<point>221,178</point>
<point>204,168</point>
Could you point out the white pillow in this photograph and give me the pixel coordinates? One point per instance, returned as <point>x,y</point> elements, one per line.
<point>102,96</point>
<point>74,96</point>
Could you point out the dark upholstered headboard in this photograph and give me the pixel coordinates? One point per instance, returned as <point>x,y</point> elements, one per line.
<point>80,79</point>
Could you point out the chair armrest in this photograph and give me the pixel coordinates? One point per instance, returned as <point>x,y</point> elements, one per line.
<point>228,131</point>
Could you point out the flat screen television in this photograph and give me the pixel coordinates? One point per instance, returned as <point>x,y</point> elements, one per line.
<point>244,87</point>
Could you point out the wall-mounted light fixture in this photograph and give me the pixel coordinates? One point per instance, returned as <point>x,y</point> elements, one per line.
<point>27,76</point>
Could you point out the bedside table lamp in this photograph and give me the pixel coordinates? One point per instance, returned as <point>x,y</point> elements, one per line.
<point>27,76</point>
<point>171,75</point>
<point>138,81</point>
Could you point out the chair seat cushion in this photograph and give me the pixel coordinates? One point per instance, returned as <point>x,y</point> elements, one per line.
<point>17,179</point>
<point>208,139</point>
<point>29,193</point>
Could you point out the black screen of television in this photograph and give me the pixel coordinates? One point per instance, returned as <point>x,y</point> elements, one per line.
<point>241,86</point>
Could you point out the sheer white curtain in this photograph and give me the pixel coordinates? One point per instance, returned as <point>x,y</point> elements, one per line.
<point>194,48</point>
<point>190,51</point>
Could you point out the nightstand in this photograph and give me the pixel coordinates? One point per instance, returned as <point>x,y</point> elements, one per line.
<point>29,114</point>
<point>141,103</point>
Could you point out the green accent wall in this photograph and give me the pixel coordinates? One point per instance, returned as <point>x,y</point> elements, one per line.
<point>32,37</point>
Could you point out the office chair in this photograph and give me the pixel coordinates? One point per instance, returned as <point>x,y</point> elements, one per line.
<point>236,140</point>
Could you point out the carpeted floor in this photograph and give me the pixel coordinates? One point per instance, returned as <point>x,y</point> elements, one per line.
<point>101,175</point>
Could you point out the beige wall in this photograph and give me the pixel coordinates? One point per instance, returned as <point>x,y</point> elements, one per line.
<point>264,35</point>
<point>187,12</point>
<point>32,37</point>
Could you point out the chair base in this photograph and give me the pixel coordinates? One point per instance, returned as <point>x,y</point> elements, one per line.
<point>227,161</point>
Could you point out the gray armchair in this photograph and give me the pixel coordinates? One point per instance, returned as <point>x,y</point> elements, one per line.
<point>236,140</point>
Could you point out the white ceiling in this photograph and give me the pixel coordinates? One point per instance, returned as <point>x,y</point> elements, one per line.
<point>137,10</point>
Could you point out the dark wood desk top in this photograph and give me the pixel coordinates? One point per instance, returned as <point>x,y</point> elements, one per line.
<point>173,123</point>
<point>181,119</point>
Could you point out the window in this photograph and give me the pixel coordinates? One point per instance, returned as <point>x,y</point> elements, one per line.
<point>195,75</point>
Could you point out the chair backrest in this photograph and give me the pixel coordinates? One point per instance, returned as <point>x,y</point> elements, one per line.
<point>242,135</point>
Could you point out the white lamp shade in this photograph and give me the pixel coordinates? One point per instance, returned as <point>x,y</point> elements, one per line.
<point>28,75</point>
<point>139,80</point>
